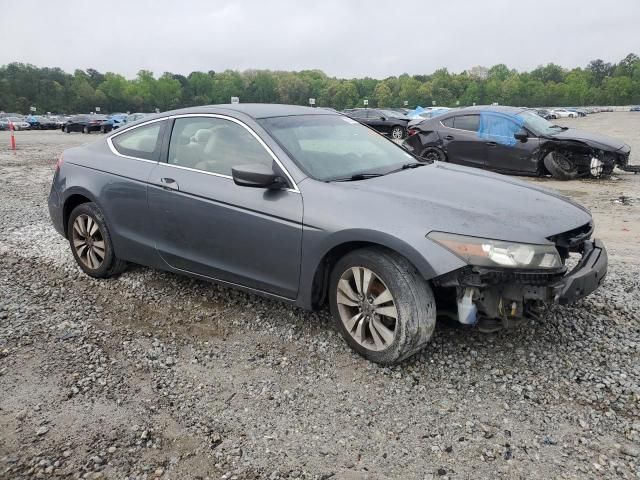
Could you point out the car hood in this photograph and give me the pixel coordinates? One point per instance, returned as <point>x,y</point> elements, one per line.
<point>468,201</point>
<point>595,140</point>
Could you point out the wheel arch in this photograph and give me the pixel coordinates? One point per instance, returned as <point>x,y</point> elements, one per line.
<point>73,199</point>
<point>314,284</point>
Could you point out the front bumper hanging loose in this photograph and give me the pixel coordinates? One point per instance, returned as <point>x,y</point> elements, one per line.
<point>504,294</point>
<point>586,276</point>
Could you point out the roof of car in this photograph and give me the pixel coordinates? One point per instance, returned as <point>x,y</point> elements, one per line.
<point>256,110</point>
<point>491,108</point>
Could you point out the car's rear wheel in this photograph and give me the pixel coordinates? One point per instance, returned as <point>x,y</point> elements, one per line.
<point>65,129</point>
<point>90,242</point>
<point>560,166</point>
<point>434,154</point>
<point>382,306</point>
<point>103,130</point>
<point>397,133</point>
<point>85,130</point>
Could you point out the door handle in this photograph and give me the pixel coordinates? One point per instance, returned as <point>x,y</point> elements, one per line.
<point>492,144</point>
<point>449,137</point>
<point>169,184</point>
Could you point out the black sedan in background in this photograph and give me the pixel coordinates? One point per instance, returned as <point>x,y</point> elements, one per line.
<point>516,141</point>
<point>84,123</point>
<point>39,122</point>
<point>387,122</point>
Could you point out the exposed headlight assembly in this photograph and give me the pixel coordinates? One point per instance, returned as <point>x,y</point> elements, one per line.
<point>484,252</point>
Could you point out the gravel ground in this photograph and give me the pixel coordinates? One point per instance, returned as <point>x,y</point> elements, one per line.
<point>152,375</point>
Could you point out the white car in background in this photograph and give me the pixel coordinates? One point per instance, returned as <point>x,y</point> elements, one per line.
<point>18,123</point>
<point>562,113</point>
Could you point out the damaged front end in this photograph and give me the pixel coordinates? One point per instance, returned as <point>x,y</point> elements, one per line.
<point>569,159</point>
<point>494,297</point>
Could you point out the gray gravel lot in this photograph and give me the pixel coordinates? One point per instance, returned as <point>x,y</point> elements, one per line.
<point>152,375</point>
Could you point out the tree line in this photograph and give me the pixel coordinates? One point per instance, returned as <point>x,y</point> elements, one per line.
<point>53,90</point>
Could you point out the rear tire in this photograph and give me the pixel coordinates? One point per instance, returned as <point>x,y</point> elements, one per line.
<point>560,167</point>
<point>434,154</point>
<point>91,244</point>
<point>364,311</point>
<point>85,130</point>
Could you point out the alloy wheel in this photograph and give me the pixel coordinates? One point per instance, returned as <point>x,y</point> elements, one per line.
<point>397,133</point>
<point>88,241</point>
<point>367,308</point>
<point>432,155</point>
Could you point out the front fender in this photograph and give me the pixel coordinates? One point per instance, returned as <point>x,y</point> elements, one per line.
<point>430,259</point>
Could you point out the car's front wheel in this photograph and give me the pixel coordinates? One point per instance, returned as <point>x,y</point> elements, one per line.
<point>560,166</point>
<point>382,306</point>
<point>85,130</point>
<point>397,133</point>
<point>90,242</point>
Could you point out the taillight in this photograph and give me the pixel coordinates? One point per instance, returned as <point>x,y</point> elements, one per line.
<point>411,132</point>
<point>59,162</point>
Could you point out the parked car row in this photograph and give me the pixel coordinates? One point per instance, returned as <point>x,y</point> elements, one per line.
<point>388,240</point>
<point>18,123</point>
<point>395,122</point>
<point>85,123</point>
<point>99,123</point>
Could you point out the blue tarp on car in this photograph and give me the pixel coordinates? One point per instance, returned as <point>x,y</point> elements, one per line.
<point>499,127</point>
<point>414,113</point>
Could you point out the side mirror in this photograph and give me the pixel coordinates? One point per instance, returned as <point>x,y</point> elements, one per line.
<point>383,118</point>
<point>521,135</point>
<point>257,175</point>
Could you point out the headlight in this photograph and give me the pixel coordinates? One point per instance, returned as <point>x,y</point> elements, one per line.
<point>496,253</point>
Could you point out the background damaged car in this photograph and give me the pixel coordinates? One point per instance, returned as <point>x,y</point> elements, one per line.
<point>516,141</point>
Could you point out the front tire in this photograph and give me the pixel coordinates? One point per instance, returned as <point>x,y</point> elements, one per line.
<point>381,305</point>
<point>397,133</point>
<point>90,242</point>
<point>85,130</point>
<point>560,166</point>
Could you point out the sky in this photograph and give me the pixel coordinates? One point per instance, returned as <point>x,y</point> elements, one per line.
<point>348,38</point>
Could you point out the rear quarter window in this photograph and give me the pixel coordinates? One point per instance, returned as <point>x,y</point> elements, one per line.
<point>140,142</point>
<point>447,122</point>
<point>467,122</point>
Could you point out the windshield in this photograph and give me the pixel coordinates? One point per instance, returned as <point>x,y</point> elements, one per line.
<point>331,147</point>
<point>537,124</point>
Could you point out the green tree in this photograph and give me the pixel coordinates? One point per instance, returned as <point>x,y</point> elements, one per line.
<point>382,95</point>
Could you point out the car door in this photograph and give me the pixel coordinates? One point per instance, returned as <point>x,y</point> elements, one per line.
<point>375,120</point>
<point>461,142</point>
<point>206,224</point>
<point>75,124</point>
<point>507,154</point>
<point>132,155</point>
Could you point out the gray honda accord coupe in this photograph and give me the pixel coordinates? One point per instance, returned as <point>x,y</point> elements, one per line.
<point>310,207</point>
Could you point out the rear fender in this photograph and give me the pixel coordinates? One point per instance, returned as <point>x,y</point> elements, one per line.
<point>421,140</point>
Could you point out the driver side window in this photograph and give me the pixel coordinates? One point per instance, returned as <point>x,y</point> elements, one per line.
<point>214,145</point>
